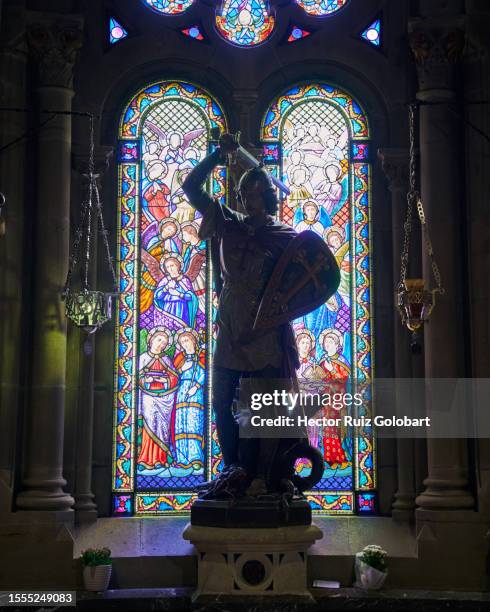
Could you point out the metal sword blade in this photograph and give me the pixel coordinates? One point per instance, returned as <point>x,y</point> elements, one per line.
<point>248,157</point>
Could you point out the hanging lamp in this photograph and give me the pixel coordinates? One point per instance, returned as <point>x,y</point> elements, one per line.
<point>414,300</point>
<point>87,308</point>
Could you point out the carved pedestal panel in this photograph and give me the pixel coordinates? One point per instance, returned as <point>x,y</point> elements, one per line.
<point>252,561</point>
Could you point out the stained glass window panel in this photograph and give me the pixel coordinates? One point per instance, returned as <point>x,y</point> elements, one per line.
<point>169,7</point>
<point>193,32</point>
<point>320,8</point>
<point>312,138</point>
<point>116,31</point>
<point>297,33</point>
<point>245,22</point>
<point>372,34</point>
<point>163,443</point>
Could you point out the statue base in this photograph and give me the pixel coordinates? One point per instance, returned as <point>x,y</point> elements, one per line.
<point>261,513</point>
<point>244,561</point>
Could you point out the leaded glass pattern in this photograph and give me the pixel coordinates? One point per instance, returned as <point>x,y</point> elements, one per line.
<point>297,33</point>
<point>193,32</point>
<point>245,22</point>
<point>372,34</point>
<point>169,7</point>
<point>116,31</point>
<point>321,8</point>
<point>316,139</point>
<point>163,435</point>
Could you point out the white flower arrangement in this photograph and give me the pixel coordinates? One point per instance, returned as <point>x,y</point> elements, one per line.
<point>371,567</point>
<point>375,556</point>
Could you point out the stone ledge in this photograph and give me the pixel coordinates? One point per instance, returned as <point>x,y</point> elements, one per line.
<point>334,600</point>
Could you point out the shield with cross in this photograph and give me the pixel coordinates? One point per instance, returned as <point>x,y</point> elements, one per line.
<point>304,278</point>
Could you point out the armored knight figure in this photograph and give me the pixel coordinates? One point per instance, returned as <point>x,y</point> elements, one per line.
<point>248,248</point>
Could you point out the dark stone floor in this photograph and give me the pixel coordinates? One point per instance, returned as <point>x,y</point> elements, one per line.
<point>332,600</point>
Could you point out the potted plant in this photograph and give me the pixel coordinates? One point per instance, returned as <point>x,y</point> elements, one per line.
<point>97,568</point>
<point>371,567</point>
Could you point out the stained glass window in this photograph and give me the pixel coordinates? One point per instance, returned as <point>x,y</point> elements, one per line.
<point>320,8</point>
<point>245,22</point>
<point>316,139</point>
<point>372,34</point>
<point>169,7</point>
<point>193,32</point>
<point>116,31</point>
<point>164,441</point>
<point>297,33</point>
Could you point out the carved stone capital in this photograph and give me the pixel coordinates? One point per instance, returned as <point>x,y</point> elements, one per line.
<point>395,165</point>
<point>437,45</point>
<point>53,43</point>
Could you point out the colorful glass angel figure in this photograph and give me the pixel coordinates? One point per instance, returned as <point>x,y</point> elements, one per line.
<point>245,22</point>
<point>158,383</point>
<point>190,362</point>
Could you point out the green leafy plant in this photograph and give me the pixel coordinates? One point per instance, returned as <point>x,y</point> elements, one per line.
<point>375,556</point>
<point>96,556</point>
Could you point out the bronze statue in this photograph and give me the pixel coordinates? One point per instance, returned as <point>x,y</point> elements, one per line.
<point>255,338</point>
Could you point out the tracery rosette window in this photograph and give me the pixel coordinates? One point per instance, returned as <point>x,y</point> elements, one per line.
<point>316,140</point>
<point>321,8</point>
<point>245,23</point>
<point>164,441</point>
<point>169,7</point>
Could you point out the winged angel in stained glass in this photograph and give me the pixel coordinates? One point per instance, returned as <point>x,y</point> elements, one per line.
<point>245,22</point>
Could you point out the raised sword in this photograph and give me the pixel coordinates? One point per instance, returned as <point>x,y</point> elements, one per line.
<point>252,161</point>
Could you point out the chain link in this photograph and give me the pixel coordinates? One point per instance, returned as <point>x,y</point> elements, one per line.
<point>84,229</point>
<point>428,245</point>
<point>104,232</point>
<point>413,197</point>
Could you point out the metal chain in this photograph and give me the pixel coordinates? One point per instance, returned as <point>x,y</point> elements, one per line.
<point>428,245</point>
<point>86,221</point>
<point>76,249</point>
<point>413,197</point>
<point>104,232</point>
<point>91,178</point>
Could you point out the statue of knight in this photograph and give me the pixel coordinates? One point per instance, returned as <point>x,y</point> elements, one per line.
<point>268,276</point>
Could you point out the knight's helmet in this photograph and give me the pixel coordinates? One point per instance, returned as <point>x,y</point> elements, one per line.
<point>258,179</point>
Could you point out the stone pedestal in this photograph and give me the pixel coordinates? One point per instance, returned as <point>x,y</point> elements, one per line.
<point>37,550</point>
<point>252,561</point>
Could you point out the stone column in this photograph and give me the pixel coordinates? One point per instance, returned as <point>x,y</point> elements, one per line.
<point>54,42</point>
<point>395,164</point>
<point>85,506</point>
<point>13,56</point>
<point>437,44</point>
